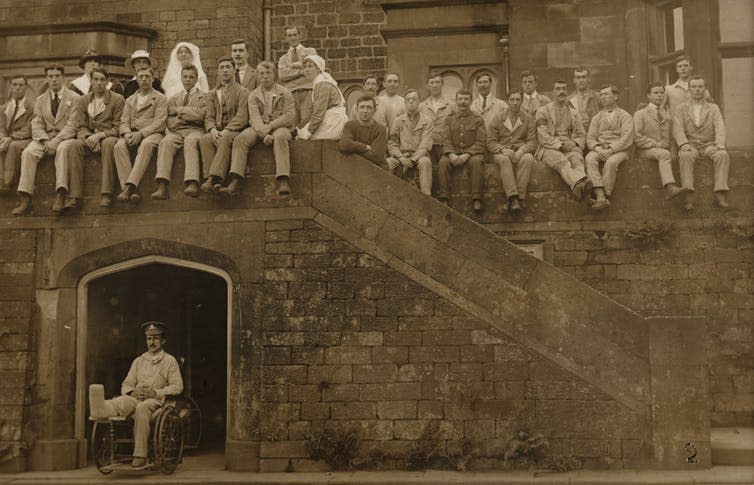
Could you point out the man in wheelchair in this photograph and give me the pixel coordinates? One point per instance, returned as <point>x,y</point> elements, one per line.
<point>153,376</point>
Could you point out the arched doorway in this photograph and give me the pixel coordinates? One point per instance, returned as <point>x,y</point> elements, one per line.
<point>192,299</point>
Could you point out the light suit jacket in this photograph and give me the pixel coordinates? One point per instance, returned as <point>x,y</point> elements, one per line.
<point>45,126</point>
<point>710,131</point>
<point>491,111</point>
<point>503,133</point>
<point>289,77</point>
<point>192,117</point>
<point>619,134</point>
<point>19,128</point>
<point>150,119</point>
<point>281,114</point>
<point>593,106</point>
<point>546,127</point>
<point>160,373</point>
<point>415,140</point>
<point>649,131</point>
<point>233,108</point>
<point>530,107</point>
<point>108,121</point>
<point>438,117</point>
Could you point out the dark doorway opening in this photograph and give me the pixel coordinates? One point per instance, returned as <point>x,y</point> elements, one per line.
<point>193,304</point>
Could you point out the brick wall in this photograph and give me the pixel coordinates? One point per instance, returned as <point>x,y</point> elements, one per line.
<point>211,25</point>
<point>344,32</point>
<point>350,343</point>
<point>16,354</point>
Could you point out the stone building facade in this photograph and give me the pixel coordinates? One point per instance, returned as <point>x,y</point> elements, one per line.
<point>331,320</point>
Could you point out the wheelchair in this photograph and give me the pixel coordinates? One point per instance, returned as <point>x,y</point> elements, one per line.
<point>176,426</point>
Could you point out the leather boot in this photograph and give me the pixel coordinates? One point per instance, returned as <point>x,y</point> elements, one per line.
<point>233,188</point>
<point>208,184</point>
<point>162,191</point>
<point>125,196</point>
<point>192,189</point>
<point>283,187</point>
<point>721,197</point>
<point>72,203</point>
<point>24,205</point>
<point>59,204</point>
<point>106,200</point>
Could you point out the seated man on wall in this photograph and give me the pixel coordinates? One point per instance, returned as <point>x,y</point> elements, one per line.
<point>185,125</point>
<point>611,134</point>
<point>436,108</point>
<point>143,122</point>
<point>370,85</point>
<point>227,115</point>
<point>291,74</point>
<point>410,141</point>
<point>532,99</point>
<point>153,376</point>
<point>561,135</point>
<point>272,114</point>
<point>486,104</point>
<point>365,136</point>
<point>699,131</point>
<point>464,140</point>
<point>15,131</point>
<point>390,104</point>
<point>652,127</point>
<point>512,139</point>
<point>89,61</point>
<point>54,121</point>
<point>99,114</point>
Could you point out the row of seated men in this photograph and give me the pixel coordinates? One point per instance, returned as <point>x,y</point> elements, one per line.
<point>217,129</point>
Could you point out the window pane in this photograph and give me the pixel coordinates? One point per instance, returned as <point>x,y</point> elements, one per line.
<point>736,21</point>
<point>452,82</point>
<point>677,28</point>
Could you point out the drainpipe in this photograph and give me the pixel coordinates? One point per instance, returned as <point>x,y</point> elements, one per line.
<point>267,14</point>
<point>506,62</point>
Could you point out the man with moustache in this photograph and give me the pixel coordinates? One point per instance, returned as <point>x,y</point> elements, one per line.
<point>699,131</point>
<point>54,121</point>
<point>561,138</point>
<point>272,115</point>
<point>652,131</point>
<point>227,115</point>
<point>291,73</point>
<point>532,99</point>
<point>185,126</point>
<point>142,125</point>
<point>512,139</point>
<point>245,74</point>
<point>464,140</point>
<point>99,115</point>
<point>153,376</point>
<point>15,130</point>
<point>410,141</point>
<point>390,104</point>
<point>610,136</point>
<point>486,104</point>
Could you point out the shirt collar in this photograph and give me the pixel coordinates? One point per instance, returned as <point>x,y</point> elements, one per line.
<point>193,90</point>
<point>682,84</point>
<point>531,96</point>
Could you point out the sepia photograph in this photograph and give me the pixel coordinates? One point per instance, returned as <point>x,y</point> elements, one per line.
<point>377,242</point>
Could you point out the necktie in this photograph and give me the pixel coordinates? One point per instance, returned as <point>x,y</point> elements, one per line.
<point>186,98</point>
<point>484,102</point>
<point>660,117</point>
<point>294,54</point>
<point>238,76</point>
<point>15,110</point>
<point>55,105</point>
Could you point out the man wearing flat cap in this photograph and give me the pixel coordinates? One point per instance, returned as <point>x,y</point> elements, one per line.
<point>139,60</point>
<point>153,376</point>
<point>83,85</point>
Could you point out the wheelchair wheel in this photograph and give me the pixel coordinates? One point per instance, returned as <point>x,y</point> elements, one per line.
<point>102,447</point>
<point>191,416</point>
<point>168,441</point>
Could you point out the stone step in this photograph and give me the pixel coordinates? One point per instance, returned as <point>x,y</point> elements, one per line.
<point>732,446</point>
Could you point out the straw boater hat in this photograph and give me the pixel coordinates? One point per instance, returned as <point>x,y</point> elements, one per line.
<point>138,54</point>
<point>90,55</point>
<point>154,328</point>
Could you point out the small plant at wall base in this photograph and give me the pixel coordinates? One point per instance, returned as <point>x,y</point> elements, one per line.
<point>337,448</point>
<point>427,449</point>
<point>649,233</point>
<point>525,451</point>
<point>564,463</point>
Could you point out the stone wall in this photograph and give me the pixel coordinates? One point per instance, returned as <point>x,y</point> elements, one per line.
<point>210,25</point>
<point>351,344</point>
<point>16,343</point>
<point>346,33</point>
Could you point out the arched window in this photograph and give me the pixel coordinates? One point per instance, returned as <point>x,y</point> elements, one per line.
<point>451,83</point>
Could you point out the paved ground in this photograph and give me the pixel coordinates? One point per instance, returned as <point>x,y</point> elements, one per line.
<point>208,469</point>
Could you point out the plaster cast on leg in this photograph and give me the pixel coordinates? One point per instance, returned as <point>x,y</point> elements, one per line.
<point>98,407</point>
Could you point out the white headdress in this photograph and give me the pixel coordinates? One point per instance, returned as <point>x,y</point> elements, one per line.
<point>171,83</point>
